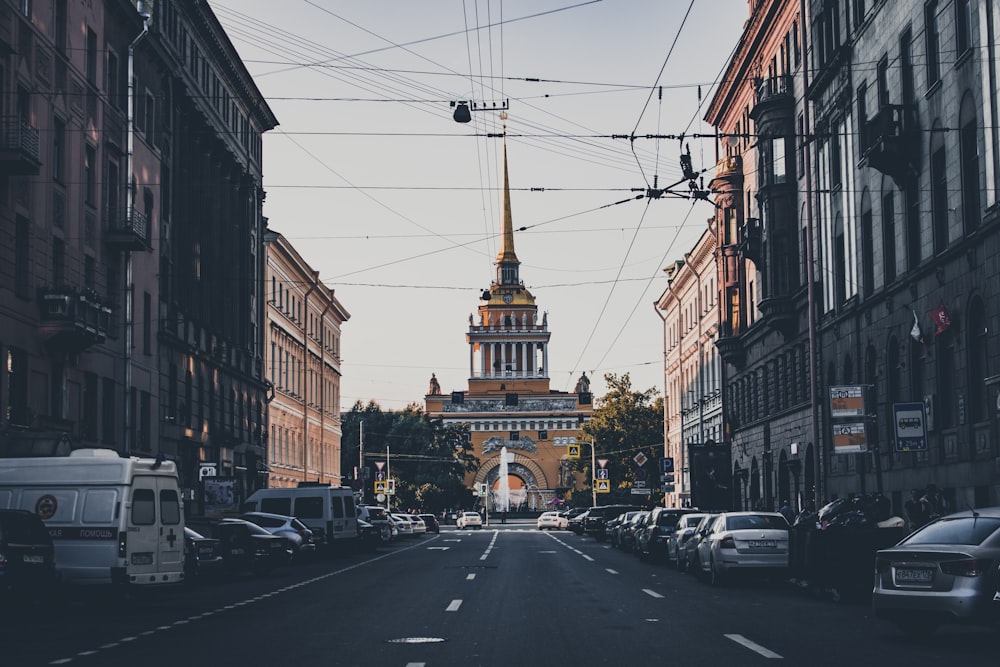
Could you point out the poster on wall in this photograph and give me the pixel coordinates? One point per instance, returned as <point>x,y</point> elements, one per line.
<point>220,496</point>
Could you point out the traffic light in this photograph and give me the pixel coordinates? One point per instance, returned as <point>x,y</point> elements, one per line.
<point>390,486</point>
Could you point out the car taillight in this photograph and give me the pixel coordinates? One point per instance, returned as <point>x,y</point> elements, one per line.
<point>122,551</point>
<point>727,542</point>
<point>3,560</point>
<point>967,567</point>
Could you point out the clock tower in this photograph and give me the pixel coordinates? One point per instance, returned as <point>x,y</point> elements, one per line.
<point>508,403</point>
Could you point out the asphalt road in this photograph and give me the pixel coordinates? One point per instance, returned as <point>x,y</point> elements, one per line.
<point>503,595</point>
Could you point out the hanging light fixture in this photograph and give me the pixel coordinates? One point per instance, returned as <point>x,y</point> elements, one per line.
<point>462,113</point>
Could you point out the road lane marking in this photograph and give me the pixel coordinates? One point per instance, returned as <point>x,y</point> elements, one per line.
<point>455,604</point>
<point>753,646</point>
<point>489,548</point>
<point>438,548</point>
<point>415,664</point>
<point>470,577</point>
<point>610,571</point>
<point>651,593</point>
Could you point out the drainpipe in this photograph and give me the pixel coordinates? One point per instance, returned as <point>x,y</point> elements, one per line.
<point>144,12</point>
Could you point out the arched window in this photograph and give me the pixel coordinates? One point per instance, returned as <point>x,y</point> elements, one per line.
<point>977,361</point>
<point>867,245</point>
<point>939,189</point>
<point>888,233</point>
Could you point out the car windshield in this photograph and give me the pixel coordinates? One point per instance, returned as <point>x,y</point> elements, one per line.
<point>756,522</point>
<point>667,519</point>
<point>960,530</point>
<point>254,529</point>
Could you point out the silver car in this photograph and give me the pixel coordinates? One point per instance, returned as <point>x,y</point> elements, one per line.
<point>946,572</point>
<point>747,541</point>
<point>683,531</point>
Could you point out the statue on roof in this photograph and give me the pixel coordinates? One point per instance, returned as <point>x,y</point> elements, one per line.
<point>435,386</point>
<point>583,384</point>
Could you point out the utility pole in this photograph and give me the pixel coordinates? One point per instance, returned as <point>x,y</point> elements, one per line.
<point>361,457</point>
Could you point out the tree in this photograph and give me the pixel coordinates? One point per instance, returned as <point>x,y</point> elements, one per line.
<point>626,422</point>
<point>427,458</point>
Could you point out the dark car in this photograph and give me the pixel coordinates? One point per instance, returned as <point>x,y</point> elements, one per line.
<point>595,524</point>
<point>202,556</point>
<point>651,540</point>
<point>627,536</point>
<point>246,547</point>
<point>293,530</point>
<point>431,522</point>
<point>613,529</point>
<point>369,536</point>
<point>576,523</point>
<point>27,557</point>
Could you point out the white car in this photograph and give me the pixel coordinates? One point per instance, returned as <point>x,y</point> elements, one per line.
<point>749,541</point>
<point>402,523</point>
<point>469,520</point>
<point>552,521</point>
<point>419,527</point>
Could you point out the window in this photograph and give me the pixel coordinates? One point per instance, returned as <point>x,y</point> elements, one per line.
<point>170,507</point>
<point>143,507</point>
<point>89,174</point>
<point>939,196</point>
<point>906,66</point>
<point>91,56</point>
<point>867,246</point>
<point>147,323</point>
<point>58,262</point>
<point>969,146</point>
<point>114,80</point>
<point>61,22</point>
<point>912,203</point>
<point>963,26</point>
<point>778,172</point>
<point>889,237</point>
<point>835,166</point>
<point>58,149</point>
<point>859,12</point>
<point>882,77</point>
<point>932,39</point>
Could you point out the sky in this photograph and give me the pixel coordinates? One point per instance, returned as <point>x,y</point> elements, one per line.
<point>399,207</point>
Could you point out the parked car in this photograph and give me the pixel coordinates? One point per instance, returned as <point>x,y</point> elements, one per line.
<point>595,524</point>
<point>469,520</point>
<point>628,529</point>
<point>550,521</point>
<point>202,556</point>
<point>293,530</point>
<point>369,536</point>
<point>743,541</point>
<point>945,572</point>
<point>27,558</point>
<point>614,527</point>
<point>431,522</point>
<point>418,525</point>
<point>575,523</point>
<point>246,547</point>
<point>378,517</point>
<point>682,532</point>
<point>403,526</point>
<point>688,561</point>
<point>652,536</point>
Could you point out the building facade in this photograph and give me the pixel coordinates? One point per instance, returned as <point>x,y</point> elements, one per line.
<point>130,189</point>
<point>508,404</point>
<point>692,365</point>
<point>302,362</point>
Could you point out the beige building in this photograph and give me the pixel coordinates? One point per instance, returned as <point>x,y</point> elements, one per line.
<point>302,365</point>
<point>508,402</point>
<point>692,368</point>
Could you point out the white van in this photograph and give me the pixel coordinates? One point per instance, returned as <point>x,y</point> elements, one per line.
<point>329,511</point>
<point>113,520</point>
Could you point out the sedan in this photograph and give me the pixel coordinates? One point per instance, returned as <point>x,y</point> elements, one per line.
<point>202,556</point>
<point>551,521</point>
<point>431,522</point>
<point>293,530</point>
<point>246,547</point>
<point>688,559</point>
<point>946,572</point>
<point>403,526</point>
<point>744,541</point>
<point>469,520</point>
<point>418,525</point>
<point>683,531</point>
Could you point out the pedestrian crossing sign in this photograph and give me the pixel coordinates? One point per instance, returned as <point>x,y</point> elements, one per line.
<point>603,486</point>
<point>573,451</point>
<point>380,486</point>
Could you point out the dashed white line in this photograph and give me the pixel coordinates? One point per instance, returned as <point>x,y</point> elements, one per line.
<point>415,664</point>
<point>455,604</point>
<point>610,571</point>
<point>651,593</point>
<point>753,646</point>
<point>470,577</point>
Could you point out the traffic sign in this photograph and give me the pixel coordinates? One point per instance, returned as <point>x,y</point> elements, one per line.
<point>573,451</point>
<point>602,473</point>
<point>669,479</point>
<point>640,459</point>
<point>603,486</point>
<point>667,465</point>
<point>380,486</point>
<point>668,488</point>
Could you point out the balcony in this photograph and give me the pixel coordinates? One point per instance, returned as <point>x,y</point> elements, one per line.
<point>72,320</point>
<point>779,313</point>
<point>730,346</point>
<point>774,95</point>
<point>729,167</point>
<point>752,241</point>
<point>19,151</point>
<point>885,144</point>
<point>125,230</point>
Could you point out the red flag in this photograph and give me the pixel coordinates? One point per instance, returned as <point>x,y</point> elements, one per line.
<point>942,319</point>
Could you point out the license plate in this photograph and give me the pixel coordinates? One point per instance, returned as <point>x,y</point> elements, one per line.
<point>762,544</point>
<point>206,551</point>
<point>905,575</point>
<point>36,560</point>
<point>237,551</point>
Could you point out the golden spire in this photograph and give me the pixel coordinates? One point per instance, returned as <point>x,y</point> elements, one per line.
<point>507,251</point>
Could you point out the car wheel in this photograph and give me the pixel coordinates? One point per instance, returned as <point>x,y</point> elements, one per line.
<point>716,578</point>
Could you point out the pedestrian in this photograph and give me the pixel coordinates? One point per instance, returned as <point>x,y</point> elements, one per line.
<point>786,511</point>
<point>917,509</point>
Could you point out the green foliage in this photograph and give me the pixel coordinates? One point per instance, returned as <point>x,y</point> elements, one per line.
<point>427,458</point>
<point>626,422</point>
